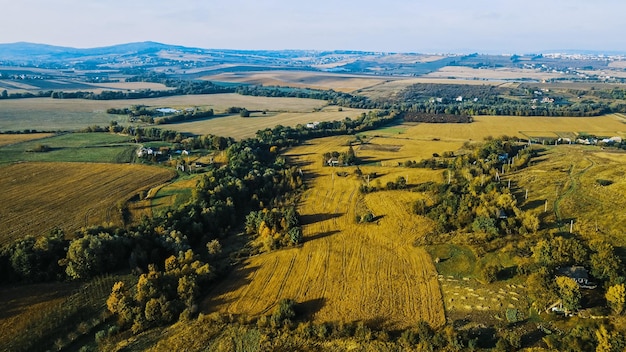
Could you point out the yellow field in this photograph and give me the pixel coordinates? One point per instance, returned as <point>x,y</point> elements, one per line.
<point>344,271</point>
<point>37,197</point>
<point>22,305</point>
<point>240,127</point>
<point>6,139</point>
<point>496,126</point>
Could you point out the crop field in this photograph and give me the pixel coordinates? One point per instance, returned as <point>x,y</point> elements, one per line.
<point>47,114</point>
<point>70,85</point>
<point>42,196</point>
<point>303,79</point>
<point>461,72</point>
<point>243,127</point>
<point>344,271</point>
<point>495,126</point>
<point>8,139</point>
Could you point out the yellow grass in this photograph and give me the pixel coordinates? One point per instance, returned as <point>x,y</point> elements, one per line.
<point>302,79</point>
<point>496,126</point>
<point>40,196</point>
<point>414,149</point>
<point>7,139</point>
<point>566,177</point>
<point>344,271</point>
<point>240,127</point>
<point>23,304</point>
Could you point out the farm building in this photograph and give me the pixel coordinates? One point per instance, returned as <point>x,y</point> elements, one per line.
<point>333,161</point>
<point>579,274</point>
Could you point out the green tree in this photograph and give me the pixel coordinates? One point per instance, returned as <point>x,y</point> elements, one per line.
<point>616,298</point>
<point>85,257</point>
<point>569,293</point>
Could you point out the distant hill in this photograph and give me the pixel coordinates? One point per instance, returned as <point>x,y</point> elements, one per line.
<point>192,63</point>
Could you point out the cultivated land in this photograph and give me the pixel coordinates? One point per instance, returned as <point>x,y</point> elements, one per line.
<point>68,114</point>
<point>523,127</point>
<point>35,86</point>
<point>8,139</point>
<point>344,271</point>
<point>68,195</point>
<point>374,272</point>
<point>244,127</point>
<point>305,79</point>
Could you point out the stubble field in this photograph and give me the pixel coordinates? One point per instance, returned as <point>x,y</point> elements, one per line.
<point>344,271</point>
<point>42,196</point>
<point>47,114</point>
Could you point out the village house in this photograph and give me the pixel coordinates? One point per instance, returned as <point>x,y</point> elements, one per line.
<point>579,274</point>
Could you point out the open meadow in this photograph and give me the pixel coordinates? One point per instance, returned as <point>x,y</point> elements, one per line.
<point>78,147</point>
<point>41,196</point>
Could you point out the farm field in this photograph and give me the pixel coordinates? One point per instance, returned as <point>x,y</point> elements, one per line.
<point>68,195</point>
<point>460,72</point>
<point>523,127</point>
<point>8,139</point>
<point>47,114</point>
<point>303,79</point>
<point>344,271</point>
<point>77,147</point>
<point>245,127</point>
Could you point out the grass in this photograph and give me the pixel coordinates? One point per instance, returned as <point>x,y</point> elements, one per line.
<point>43,196</point>
<point>38,317</point>
<point>75,147</point>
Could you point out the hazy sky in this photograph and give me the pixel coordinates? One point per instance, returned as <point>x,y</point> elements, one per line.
<point>451,26</point>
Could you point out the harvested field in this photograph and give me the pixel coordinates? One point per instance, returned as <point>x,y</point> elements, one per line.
<point>8,139</point>
<point>496,126</point>
<point>300,79</point>
<point>47,114</point>
<point>243,127</point>
<point>68,195</point>
<point>491,74</point>
<point>344,271</point>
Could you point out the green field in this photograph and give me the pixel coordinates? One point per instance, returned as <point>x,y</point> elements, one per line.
<point>79,147</point>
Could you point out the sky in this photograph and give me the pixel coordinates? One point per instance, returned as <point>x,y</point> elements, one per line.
<point>435,26</point>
